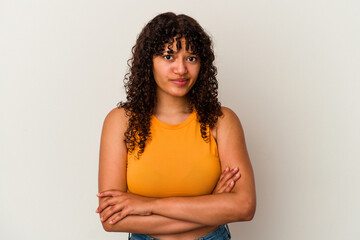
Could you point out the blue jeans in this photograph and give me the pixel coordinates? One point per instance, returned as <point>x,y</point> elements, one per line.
<point>221,233</point>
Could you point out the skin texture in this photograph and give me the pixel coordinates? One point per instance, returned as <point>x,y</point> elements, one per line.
<point>233,198</point>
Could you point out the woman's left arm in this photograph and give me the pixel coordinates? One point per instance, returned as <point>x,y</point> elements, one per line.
<point>215,209</point>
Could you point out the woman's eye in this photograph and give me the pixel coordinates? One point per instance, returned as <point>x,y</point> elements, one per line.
<point>168,57</point>
<point>192,59</point>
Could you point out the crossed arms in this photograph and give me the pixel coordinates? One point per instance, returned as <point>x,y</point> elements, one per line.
<point>232,200</point>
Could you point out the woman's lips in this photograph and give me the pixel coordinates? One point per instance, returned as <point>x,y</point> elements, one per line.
<point>179,81</point>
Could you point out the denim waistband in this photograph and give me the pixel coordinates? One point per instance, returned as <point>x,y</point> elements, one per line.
<point>221,233</point>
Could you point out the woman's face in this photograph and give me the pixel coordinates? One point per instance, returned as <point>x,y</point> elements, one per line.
<point>175,73</point>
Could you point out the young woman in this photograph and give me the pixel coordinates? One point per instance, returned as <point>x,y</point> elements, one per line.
<point>173,162</point>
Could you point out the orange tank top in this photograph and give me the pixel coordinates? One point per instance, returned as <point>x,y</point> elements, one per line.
<point>176,161</point>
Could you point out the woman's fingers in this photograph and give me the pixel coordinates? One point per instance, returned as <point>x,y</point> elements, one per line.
<point>109,193</point>
<point>230,186</point>
<point>231,182</point>
<point>224,173</point>
<point>102,206</point>
<point>224,183</point>
<point>110,211</point>
<point>108,202</point>
<point>229,175</point>
<point>115,218</point>
<point>227,178</point>
<point>113,207</point>
<point>118,216</point>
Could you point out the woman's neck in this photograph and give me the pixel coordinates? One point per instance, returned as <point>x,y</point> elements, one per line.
<point>172,105</point>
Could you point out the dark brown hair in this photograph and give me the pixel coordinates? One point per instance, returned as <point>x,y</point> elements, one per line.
<point>140,85</point>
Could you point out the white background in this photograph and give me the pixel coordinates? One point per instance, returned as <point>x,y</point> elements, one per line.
<point>289,69</point>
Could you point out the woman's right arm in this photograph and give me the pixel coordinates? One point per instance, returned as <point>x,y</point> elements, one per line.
<point>112,175</point>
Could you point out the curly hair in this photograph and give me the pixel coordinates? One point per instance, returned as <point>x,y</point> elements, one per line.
<point>140,85</point>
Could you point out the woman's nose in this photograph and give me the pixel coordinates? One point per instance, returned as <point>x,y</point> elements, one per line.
<point>180,67</point>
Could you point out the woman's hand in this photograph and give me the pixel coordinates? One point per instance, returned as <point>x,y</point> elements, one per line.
<point>120,204</point>
<point>227,181</point>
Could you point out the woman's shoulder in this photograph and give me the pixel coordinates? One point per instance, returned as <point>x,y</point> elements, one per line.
<point>226,121</point>
<point>118,113</point>
<point>227,113</point>
<point>116,120</point>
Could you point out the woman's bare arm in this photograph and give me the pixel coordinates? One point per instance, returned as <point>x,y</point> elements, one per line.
<point>239,205</point>
<point>112,175</point>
